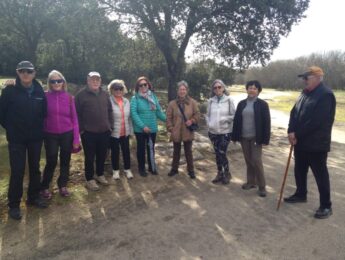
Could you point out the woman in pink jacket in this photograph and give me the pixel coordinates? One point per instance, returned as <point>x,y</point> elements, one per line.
<point>61,132</point>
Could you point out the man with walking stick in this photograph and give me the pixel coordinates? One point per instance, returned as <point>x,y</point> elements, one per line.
<point>309,130</point>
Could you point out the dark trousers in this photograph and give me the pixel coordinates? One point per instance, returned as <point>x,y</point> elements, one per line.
<point>95,145</point>
<point>187,152</point>
<point>115,144</point>
<point>220,145</point>
<point>317,161</point>
<point>17,155</point>
<point>142,145</point>
<point>53,143</point>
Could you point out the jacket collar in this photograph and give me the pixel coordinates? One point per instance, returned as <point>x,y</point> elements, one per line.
<point>186,100</point>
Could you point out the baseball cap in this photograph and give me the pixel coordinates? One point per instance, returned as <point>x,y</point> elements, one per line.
<point>94,74</point>
<point>25,65</point>
<point>313,70</point>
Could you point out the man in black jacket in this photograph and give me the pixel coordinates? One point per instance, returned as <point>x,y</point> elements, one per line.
<point>310,128</point>
<point>22,112</point>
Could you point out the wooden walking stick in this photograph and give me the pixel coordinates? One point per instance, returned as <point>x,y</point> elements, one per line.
<point>284,179</point>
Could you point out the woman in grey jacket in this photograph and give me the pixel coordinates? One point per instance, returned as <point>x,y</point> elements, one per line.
<point>220,116</point>
<point>122,128</point>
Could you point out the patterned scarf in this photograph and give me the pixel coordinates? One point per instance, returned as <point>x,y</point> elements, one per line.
<point>149,97</point>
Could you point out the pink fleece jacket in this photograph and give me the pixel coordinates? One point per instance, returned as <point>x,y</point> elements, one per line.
<point>61,114</point>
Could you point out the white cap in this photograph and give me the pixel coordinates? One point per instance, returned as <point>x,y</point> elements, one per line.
<point>94,74</point>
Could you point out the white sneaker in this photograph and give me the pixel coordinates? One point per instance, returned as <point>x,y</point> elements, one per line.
<point>116,174</point>
<point>129,174</point>
<point>92,185</point>
<point>101,179</point>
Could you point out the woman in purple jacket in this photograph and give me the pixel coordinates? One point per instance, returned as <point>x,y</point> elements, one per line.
<point>61,132</point>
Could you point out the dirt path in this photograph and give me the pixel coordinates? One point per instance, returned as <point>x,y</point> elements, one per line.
<point>159,217</point>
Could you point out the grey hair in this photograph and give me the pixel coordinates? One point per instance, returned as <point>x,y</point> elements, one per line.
<point>59,74</point>
<point>220,82</point>
<point>182,83</point>
<point>117,82</point>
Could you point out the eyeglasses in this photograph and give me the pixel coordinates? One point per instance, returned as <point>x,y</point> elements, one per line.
<point>143,85</point>
<point>217,87</point>
<point>118,88</point>
<point>28,71</point>
<point>56,81</point>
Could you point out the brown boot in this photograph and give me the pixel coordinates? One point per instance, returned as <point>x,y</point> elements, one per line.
<point>218,178</point>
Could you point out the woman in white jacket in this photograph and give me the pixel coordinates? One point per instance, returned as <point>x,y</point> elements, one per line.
<point>122,128</point>
<point>220,116</point>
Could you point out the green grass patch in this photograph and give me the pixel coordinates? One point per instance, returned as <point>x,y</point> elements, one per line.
<point>285,103</point>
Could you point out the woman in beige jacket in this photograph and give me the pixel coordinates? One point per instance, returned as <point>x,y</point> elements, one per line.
<point>180,126</point>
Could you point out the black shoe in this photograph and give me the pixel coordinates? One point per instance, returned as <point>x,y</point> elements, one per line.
<point>295,199</point>
<point>154,172</point>
<point>218,178</point>
<point>14,213</point>
<point>248,186</point>
<point>322,213</point>
<point>172,173</point>
<point>39,203</point>
<point>262,193</point>
<point>226,178</point>
<point>191,175</point>
<point>143,173</point>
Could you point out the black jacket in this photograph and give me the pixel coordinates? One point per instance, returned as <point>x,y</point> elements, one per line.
<point>21,113</point>
<point>311,119</point>
<point>262,122</point>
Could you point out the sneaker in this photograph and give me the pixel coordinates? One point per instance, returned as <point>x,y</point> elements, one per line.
<point>101,179</point>
<point>46,194</point>
<point>64,192</point>
<point>248,186</point>
<point>14,213</point>
<point>323,213</point>
<point>295,199</point>
<point>129,174</point>
<point>38,203</point>
<point>116,174</point>
<point>92,185</point>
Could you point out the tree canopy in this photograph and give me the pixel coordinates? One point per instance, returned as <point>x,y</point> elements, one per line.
<point>238,31</point>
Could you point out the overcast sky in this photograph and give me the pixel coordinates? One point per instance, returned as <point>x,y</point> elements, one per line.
<point>322,30</point>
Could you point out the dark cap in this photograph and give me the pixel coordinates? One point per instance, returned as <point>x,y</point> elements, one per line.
<point>25,65</point>
<point>313,70</point>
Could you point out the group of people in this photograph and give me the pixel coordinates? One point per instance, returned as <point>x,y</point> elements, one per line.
<point>101,120</point>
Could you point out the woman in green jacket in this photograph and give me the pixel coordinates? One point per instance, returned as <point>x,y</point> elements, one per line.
<point>145,110</point>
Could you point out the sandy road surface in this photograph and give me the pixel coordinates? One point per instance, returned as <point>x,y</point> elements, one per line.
<point>159,217</point>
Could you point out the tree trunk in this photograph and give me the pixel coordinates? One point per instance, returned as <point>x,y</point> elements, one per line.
<point>175,75</point>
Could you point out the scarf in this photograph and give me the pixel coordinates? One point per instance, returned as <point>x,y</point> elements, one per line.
<point>149,97</point>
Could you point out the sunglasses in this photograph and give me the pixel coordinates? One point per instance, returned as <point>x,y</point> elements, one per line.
<point>118,88</point>
<point>143,85</point>
<point>306,78</point>
<point>56,81</point>
<point>28,71</point>
<point>217,87</point>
